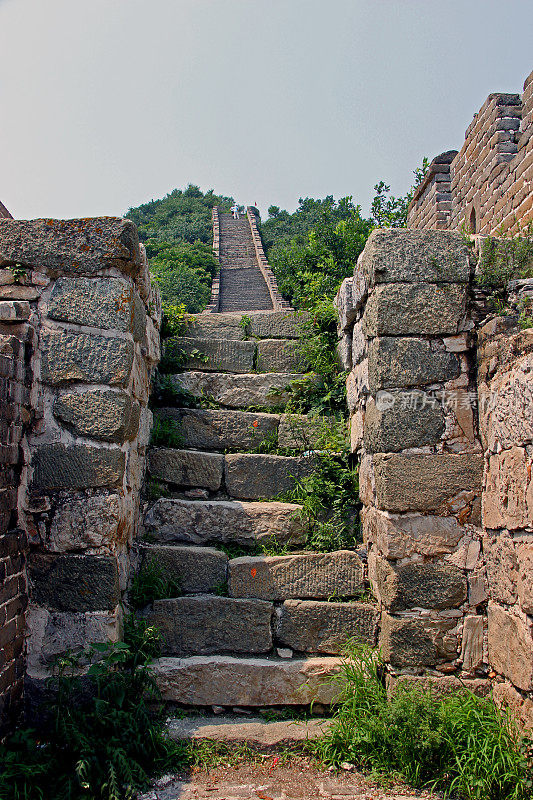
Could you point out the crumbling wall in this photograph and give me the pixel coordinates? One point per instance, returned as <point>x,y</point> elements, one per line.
<point>16,344</point>
<point>406,338</point>
<point>487,187</point>
<point>505,363</point>
<point>86,288</point>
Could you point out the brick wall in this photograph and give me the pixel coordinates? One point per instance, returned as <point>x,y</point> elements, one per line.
<point>15,412</point>
<point>489,186</point>
<point>85,287</point>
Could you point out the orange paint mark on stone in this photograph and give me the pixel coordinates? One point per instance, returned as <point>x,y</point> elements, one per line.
<point>253,572</point>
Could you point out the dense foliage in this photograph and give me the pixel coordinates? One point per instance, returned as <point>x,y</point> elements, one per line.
<point>459,743</point>
<point>105,736</point>
<point>177,232</point>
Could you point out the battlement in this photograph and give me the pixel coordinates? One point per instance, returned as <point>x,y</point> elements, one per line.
<point>487,186</point>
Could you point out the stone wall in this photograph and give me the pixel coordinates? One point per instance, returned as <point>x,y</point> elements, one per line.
<point>16,344</point>
<point>278,303</point>
<point>84,287</point>
<point>505,358</point>
<point>405,336</point>
<point>487,187</point>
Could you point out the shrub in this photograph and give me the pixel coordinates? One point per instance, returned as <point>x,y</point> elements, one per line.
<point>460,743</point>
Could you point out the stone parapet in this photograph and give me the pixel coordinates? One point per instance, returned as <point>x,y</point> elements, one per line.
<point>486,187</point>
<point>79,293</point>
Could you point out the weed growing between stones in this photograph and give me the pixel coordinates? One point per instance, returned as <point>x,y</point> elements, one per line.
<point>166,433</point>
<point>505,259</point>
<point>105,746</point>
<point>460,744</point>
<point>330,504</point>
<point>150,583</point>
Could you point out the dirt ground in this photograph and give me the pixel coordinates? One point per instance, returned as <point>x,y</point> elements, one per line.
<point>269,780</point>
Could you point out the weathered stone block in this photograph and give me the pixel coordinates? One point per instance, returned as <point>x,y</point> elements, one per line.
<point>187,467</point>
<point>314,627</point>
<point>223,430</point>
<point>511,646</point>
<point>525,576</point>
<point>278,355</point>
<point>68,356</point>
<point>197,522</point>
<point>398,420</point>
<point>208,624</point>
<point>205,681</point>
<point>85,522</point>
<point>399,255</point>
<point>195,569</point>
<point>420,482</point>
<point>407,642</point>
<point>110,416</point>
<point>238,391</point>
<point>344,305</point>
<point>402,535</point>
<point>359,343</point>
<point>208,355</point>
<point>306,575</point>
<point>403,362</point>
<point>250,477</point>
<point>277,324</point>
<point>521,708</point>
<point>472,644</point>
<point>71,246</point>
<point>215,326</point>
<point>502,567</point>
<point>77,466</point>
<point>108,303</point>
<point>504,417</point>
<point>54,632</point>
<point>414,309</point>
<point>508,497</point>
<point>440,686</point>
<point>344,351</point>
<point>430,585</point>
<point>74,583</point>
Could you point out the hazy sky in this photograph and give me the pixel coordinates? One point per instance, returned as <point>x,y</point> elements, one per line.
<point>106,104</point>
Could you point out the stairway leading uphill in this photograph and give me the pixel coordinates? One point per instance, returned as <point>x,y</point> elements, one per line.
<point>248,630</point>
<point>242,285</point>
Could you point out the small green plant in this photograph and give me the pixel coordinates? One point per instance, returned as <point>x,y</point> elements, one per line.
<point>271,546</point>
<point>221,590</point>
<point>246,325</point>
<point>156,489</point>
<point>166,433</point>
<point>105,734</point>
<point>525,316</point>
<point>175,320</point>
<point>329,500</point>
<point>150,583</point>
<point>505,259</point>
<point>18,271</point>
<point>461,744</point>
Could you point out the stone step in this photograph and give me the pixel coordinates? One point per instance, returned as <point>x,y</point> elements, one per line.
<point>196,570</point>
<point>248,476</point>
<point>224,522</point>
<point>313,626</point>
<point>308,576</point>
<point>250,682</point>
<point>214,429</point>
<point>244,476</point>
<point>238,391</point>
<point>187,468</point>
<point>209,355</point>
<point>255,732</point>
<point>228,355</point>
<point>223,430</point>
<point>207,624</point>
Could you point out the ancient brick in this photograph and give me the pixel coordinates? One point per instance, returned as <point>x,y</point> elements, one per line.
<point>320,627</point>
<point>110,416</point>
<point>74,582</point>
<point>187,467</point>
<point>68,356</point>
<point>78,466</point>
<point>427,585</point>
<point>306,576</point>
<point>403,362</point>
<point>403,309</point>
<point>413,482</point>
<point>399,420</point>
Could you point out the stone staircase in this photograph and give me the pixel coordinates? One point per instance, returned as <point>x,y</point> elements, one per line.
<point>242,285</point>
<point>248,630</point>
